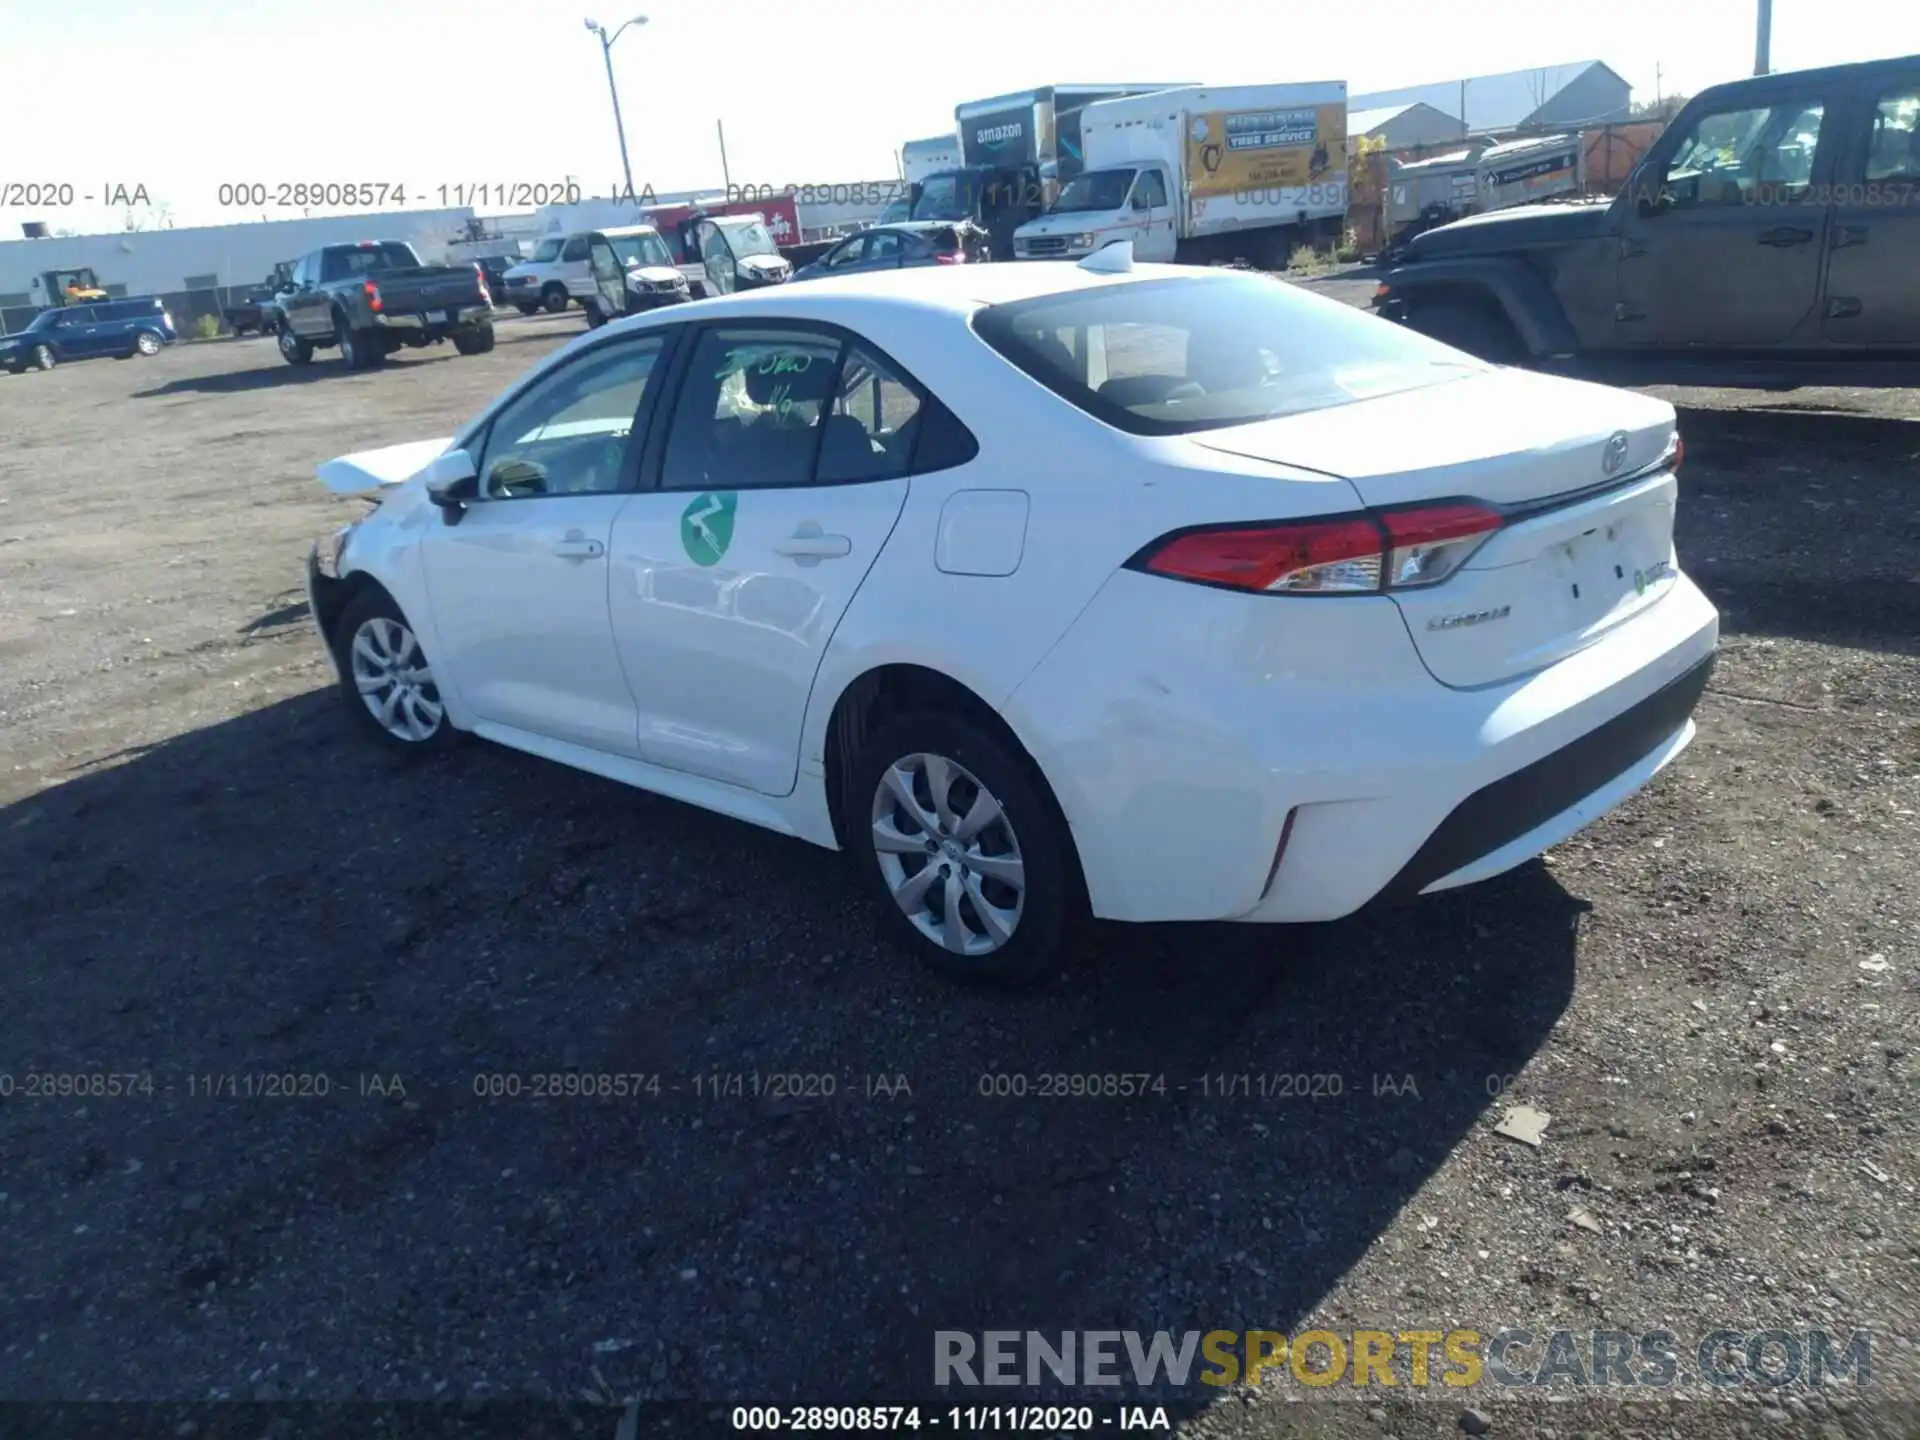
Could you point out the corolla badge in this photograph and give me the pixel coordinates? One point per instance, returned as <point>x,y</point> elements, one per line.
<point>1616,453</point>
<point>1470,617</point>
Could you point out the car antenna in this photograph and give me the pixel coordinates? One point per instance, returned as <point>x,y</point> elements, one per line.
<point>1113,259</point>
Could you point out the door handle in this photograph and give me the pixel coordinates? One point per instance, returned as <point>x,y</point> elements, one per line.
<point>578,547</point>
<point>809,546</point>
<point>1785,236</point>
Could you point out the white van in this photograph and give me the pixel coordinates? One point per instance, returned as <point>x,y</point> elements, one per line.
<point>556,275</point>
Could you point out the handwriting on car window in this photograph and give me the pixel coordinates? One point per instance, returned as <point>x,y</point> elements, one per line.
<point>764,362</point>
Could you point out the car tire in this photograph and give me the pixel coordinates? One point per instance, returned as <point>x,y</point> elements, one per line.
<point>293,349</point>
<point>1482,333</point>
<point>44,358</point>
<point>526,308</point>
<point>477,341</point>
<point>1021,860</point>
<point>595,316</point>
<point>554,299</point>
<point>358,350</point>
<point>373,641</point>
<point>146,343</point>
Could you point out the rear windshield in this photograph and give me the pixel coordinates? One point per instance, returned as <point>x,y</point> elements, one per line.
<point>342,262</point>
<point>1199,352</point>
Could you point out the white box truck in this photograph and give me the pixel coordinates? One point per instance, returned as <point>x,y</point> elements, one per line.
<point>1204,173</point>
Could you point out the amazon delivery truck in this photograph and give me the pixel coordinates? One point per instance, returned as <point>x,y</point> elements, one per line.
<point>1204,173</point>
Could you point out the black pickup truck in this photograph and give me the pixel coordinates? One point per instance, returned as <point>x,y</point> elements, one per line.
<point>373,297</point>
<point>1771,236</point>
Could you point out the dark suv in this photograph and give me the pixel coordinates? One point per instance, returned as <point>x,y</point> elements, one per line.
<point>1770,235</point>
<point>120,328</point>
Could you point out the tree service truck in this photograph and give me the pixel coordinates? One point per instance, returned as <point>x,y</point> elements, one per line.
<point>1203,173</point>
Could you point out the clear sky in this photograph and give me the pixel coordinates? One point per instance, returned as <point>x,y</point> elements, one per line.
<point>186,95</point>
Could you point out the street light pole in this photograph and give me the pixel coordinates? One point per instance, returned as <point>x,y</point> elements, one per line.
<point>606,54</point>
<point>1763,40</point>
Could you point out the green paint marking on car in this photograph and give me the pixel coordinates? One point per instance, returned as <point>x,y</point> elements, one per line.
<point>706,526</point>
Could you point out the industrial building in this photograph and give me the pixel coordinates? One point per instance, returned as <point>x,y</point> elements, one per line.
<point>1584,93</point>
<point>1402,127</point>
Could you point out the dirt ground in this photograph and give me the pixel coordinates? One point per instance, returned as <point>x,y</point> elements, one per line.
<point>205,874</point>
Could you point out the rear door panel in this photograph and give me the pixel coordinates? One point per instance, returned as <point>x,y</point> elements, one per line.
<point>1873,248</point>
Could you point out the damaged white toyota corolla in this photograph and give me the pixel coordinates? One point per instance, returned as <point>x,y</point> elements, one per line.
<point>1047,591</point>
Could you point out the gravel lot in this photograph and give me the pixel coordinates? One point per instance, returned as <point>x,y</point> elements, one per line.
<point>204,872</point>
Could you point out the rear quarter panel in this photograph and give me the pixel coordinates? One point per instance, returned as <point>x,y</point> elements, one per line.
<point>1095,497</point>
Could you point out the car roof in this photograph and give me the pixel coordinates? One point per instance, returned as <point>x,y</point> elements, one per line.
<point>958,289</point>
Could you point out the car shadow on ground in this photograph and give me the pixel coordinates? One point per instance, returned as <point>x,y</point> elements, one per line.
<point>1814,551</point>
<point>274,373</point>
<point>275,895</point>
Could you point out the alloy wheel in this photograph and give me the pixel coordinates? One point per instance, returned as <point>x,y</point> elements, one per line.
<point>146,344</point>
<point>948,854</point>
<point>394,680</point>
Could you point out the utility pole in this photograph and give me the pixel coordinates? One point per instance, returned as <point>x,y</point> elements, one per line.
<point>1763,40</point>
<point>726,176</point>
<point>606,53</point>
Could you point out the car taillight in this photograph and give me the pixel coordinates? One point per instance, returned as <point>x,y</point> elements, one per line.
<point>373,296</point>
<point>954,257</point>
<point>1430,543</point>
<point>1364,554</point>
<point>486,295</point>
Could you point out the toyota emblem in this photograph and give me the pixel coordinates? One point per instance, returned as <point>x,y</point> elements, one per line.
<point>1616,453</point>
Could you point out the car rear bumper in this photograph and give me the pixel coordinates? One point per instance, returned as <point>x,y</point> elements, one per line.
<point>1514,818</point>
<point>1179,774</point>
<point>432,319</point>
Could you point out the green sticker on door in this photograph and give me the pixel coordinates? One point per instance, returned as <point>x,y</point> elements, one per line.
<point>706,526</point>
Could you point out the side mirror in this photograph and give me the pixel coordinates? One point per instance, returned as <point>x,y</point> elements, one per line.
<point>452,483</point>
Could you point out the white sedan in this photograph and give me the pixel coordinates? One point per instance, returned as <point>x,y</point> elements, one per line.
<point>1047,591</point>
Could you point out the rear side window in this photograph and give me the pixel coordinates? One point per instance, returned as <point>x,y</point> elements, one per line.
<point>773,408</point>
<point>1166,357</point>
<point>869,432</point>
<point>750,410</point>
<point>1893,150</point>
<point>344,264</point>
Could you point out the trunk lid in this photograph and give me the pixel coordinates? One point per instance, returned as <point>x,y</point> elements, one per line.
<point>430,287</point>
<point>1586,546</point>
